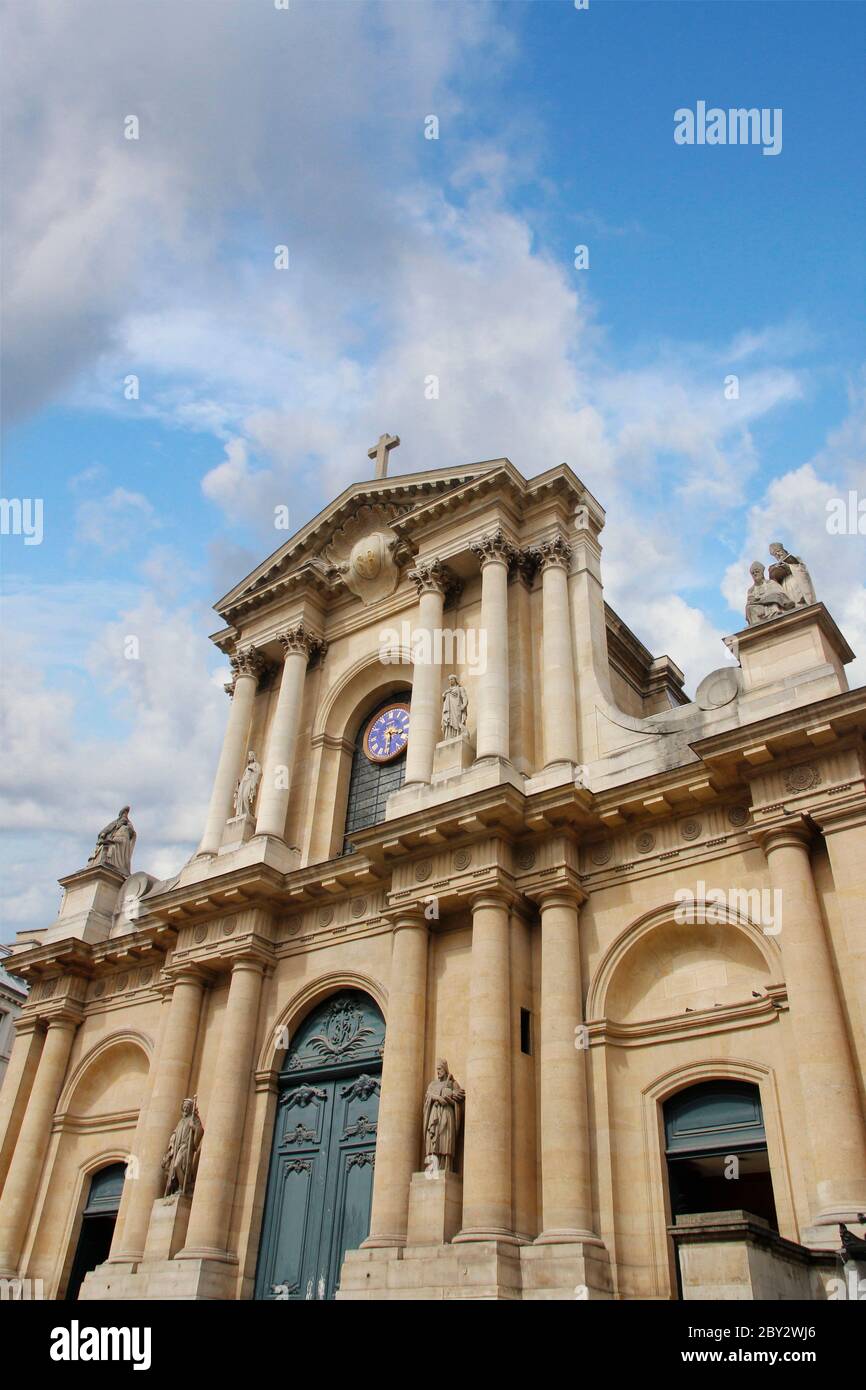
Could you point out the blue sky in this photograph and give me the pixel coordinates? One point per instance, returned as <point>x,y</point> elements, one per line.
<point>408,257</point>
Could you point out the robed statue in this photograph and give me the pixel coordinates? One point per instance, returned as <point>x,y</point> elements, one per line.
<point>791,573</point>
<point>455,703</point>
<point>442,1119</point>
<point>248,785</point>
<point>180,1160</point>
<point>115,842</point>
<point>766,598</point>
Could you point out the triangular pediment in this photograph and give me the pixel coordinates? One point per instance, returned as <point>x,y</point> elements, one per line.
<point>308,554</point>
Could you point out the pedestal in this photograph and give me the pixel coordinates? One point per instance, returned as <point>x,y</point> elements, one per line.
<point>238,830</point>
<point>167,1230</point>
<point>451,756</point>
<point>794,659</point>
<point>435,1208</point>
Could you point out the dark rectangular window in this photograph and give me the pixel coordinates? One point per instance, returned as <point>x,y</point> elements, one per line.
<point>526,1032</point>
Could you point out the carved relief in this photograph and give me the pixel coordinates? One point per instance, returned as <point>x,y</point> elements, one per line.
<point>367,554</point>
<point>801,778</point>
<point>303,1095</point>
<point>361,1089</point>
<point>690,829</point>
<point>345,1031</point>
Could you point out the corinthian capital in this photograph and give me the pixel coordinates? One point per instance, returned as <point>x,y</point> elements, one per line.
<point>433,578</point>
<point>554,552</point>
<point>302,639</point>
<point>248,662</point>
<point>495,546</point>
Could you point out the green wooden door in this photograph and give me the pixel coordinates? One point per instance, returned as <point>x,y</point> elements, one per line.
<point>320,1182</point>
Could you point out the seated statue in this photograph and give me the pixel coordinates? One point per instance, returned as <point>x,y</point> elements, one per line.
<point>766,598</point>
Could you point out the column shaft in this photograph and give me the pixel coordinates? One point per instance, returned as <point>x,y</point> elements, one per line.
<point>559,703</point>
<point>25,1169</point>
<point>398,1148</point>
<point>233,751</point>
<point>15,1090</point>
<point>169,1086</point>
<point>487,1159</point>
<point>845,838</point>
<point>565,1154</point>
<point>832,1112</point>
<point>213,1195</point>
<point>424,712</point>
<point>277,775</point>
<point>493,702</point>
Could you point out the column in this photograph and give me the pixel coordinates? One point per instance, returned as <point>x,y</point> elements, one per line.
<point>398,1146</point>
<point>487,1146</point>
<point>559,703</point>
<point>831,1103</point>
<point>844,831</point>
<point>247,667</point>
<point>298,644</point>
<point>566,1187</point>
<point>15,1089</point>
<point>169,1086</point>
<point>495,553</point>
<point>25,1170</point>
<point>213,1194</point>
<point>431,581</point>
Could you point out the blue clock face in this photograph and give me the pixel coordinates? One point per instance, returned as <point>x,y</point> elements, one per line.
<point>387,734</point>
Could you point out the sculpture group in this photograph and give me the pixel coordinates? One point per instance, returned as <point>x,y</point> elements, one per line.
<point>787,586</point>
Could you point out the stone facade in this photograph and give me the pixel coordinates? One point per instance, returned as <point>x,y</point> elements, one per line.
<point>519,911</point>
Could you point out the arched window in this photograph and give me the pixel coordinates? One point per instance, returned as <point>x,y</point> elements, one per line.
<point>716,1150</point>
<point>371,781</point>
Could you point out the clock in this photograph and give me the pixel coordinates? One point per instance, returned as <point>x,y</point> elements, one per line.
<point>387,734</point>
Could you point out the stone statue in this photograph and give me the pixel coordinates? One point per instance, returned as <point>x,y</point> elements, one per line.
<point>766,598</point>
<point>442,1118</point>
<point>791,573</point>
<point>248,785</point>
<point>180,1160</point>
<point>115,843</point>
<point>455,703</point>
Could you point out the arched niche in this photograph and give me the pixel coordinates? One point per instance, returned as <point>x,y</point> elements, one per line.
<point>109,1079</point>
<point>670,960</point>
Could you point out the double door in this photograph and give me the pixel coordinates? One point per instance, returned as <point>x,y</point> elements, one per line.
<point>320,1184</point>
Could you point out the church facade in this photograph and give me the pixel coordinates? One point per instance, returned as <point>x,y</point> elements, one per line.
<point>503,969</point>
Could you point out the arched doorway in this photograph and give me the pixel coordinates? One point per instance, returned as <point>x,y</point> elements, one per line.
<point>320,1182</point>
<point>716,1150</point>
<point>97,1224</point>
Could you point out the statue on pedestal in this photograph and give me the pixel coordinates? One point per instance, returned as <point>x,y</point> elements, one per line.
<point>248,785</point>
<point>180,1160</point>
<point>791,573</point>
<point>455,703</point>
<point>766,598</point>
<point>115,843</point>
<point>442,1119</point>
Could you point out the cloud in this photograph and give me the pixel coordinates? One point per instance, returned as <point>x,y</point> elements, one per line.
<point>154,742</point>
<point>115,522</point>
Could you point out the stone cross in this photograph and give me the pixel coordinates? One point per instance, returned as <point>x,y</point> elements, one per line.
<point>380,452</point>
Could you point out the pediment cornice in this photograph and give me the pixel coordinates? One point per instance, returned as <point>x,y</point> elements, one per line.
<point>408,505</point>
